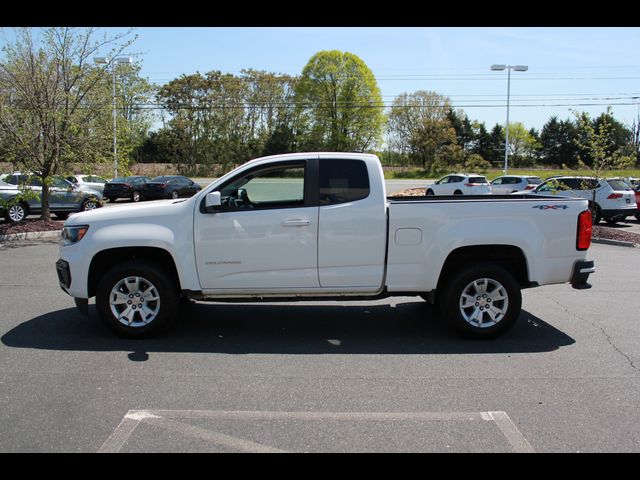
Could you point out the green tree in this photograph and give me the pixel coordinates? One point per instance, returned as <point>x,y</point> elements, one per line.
<point>224,119</point>
<point>557,140</point>
<point>597,141</point>
<point>340,104</point>
<point>495,149</point>
<point>420,125</point>
<point>522,145</point>
<point>50,102</point>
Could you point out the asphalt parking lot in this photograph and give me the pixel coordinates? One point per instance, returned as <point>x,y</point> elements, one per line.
<point>321,377</point>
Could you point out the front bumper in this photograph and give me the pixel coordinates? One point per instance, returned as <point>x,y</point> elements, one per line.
<point>64,274</point>
<point>64,277</point>
<point>581,272</point>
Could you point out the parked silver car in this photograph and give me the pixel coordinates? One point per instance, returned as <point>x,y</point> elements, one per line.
<point>87,182</point>
<point>65,198</point>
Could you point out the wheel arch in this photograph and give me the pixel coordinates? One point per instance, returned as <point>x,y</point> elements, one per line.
<point>509,257</point>
<point>105,259</point>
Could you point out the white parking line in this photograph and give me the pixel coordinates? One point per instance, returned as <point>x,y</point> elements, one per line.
<point>511,432</point>
<point>168,419</point>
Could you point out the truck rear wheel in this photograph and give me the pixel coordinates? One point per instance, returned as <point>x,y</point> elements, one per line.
<point>137,299</point>
<point>482,301</point>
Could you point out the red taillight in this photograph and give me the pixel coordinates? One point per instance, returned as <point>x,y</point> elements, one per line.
<point>473,184</point>
<point>530,187</point>
<point>585,225</point>
<point>614,196</point>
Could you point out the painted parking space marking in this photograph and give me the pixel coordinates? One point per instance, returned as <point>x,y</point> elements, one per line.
<point>175,421</point>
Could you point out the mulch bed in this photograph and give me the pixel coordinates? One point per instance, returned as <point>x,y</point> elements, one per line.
<point>30,225</point>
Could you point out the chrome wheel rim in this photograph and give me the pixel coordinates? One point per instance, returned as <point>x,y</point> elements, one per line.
<point>135,302</point>
<point>484,303</point>
<point>90,205</point>
<point>16,213</point>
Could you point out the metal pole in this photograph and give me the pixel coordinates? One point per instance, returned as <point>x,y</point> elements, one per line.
<point>115,131</point>
<point>506,144</point>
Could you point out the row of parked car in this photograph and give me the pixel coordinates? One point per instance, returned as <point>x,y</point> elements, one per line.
<point>77,193</point>
<point>615,198</point>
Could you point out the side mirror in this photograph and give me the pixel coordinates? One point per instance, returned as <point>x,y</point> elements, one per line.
<point>213,202</point>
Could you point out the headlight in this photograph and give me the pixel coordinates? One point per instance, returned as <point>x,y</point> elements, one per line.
<point>73,234</point>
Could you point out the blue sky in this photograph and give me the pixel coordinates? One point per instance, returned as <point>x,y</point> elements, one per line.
<point>569,67</point>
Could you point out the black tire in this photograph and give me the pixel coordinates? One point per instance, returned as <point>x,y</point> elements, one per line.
<point>637,215</point>
<point>61,215</point>
<point>153,295</point>
<point>596,214</point>
<point>457,192</point>
<point>496,312</point>
<point>136,196</point>
<point>611,220</point>
<point>16,213</point>
<point>430,193</point>
<point>89,204</point>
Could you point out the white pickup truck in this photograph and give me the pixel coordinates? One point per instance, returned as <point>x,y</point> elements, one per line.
<point>320,225</point>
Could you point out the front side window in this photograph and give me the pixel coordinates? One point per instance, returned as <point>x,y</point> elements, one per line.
<point>343,181</point>
<point>272,187</point>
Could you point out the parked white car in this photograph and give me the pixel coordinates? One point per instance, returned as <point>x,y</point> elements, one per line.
<point>460,184</point>
<point>507,184</point>
<point>87,182</point>
<point>615,200</point>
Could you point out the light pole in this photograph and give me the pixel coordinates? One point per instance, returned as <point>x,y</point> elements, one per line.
<point>517,68</point>
<point>113,61</point>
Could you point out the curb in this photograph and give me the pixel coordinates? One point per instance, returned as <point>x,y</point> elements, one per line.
<point>30,236</point>
<point>618,243</point>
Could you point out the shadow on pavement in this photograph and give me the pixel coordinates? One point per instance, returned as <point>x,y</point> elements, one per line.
<point>403,329</point>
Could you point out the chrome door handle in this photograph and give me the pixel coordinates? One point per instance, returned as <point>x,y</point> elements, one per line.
<point>296,223</point>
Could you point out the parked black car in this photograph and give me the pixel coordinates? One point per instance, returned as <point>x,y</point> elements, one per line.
<point>125,187</point>
<point>170,186</point>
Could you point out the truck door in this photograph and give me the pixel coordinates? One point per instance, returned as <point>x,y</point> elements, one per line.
<point>352,235</point>
<point>266,235</point>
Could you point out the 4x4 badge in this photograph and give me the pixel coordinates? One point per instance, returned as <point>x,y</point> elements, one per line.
<point>550,207</point>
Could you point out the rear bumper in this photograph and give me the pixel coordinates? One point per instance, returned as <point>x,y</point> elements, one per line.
<point>581,272</point>
<point>619,212</point>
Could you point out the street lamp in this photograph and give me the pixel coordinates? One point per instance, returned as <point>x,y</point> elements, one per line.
<point>499,68</point>
<point>113,61</point>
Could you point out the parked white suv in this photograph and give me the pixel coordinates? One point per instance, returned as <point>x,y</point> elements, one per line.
<point>614,198</point>
<point>507,184</point>
<point>460,184</point>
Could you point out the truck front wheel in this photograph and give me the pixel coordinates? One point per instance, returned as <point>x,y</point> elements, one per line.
<point>137,299</point>
<point>482,301</point>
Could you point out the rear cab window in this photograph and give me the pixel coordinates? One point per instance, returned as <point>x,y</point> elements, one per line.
<point>343,181</point>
